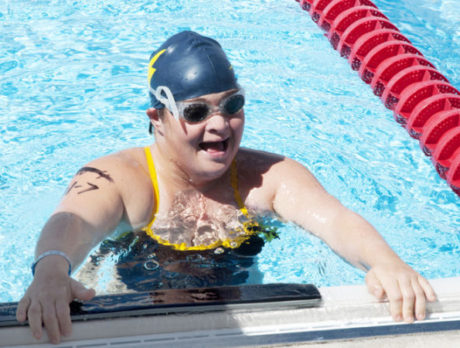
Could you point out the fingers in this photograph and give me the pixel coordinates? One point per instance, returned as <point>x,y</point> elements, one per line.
<point>420,301</point>
<point>407,293</point>
<point>21,310</point>
<point>396,299</point>
<point>391,289</point>
<point>80,292</point>
<point>427,288</point>
<point>34,315</point>
<point>28,309</point>
<point>374,286</point>
<point>54,316</point>
<point>63,317</point>
<point>408,299</point>
<point>424,291</point>
<point>47,304</point>
<point>51,323</point>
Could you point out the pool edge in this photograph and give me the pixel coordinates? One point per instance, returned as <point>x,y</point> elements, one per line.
<point>346,312</point>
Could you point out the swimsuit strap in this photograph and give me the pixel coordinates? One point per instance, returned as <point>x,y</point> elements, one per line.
<point>153,178</point>
<point>236,192</point>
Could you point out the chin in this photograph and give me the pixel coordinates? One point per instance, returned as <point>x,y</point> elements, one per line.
<point>212,170</point>
<point>215,170</point>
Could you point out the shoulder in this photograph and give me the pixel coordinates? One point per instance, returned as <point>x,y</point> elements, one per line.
<point>261,175</point>
<point>110,189</point>
<point>124,171</point>
<point>127,177</point>
<point>119,163</point>
<point>256,160</point>
<point>268,164</point>
<point>285,187</point>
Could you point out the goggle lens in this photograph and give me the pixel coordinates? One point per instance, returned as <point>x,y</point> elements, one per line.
<point>233,104</point>
<point>197,112</point>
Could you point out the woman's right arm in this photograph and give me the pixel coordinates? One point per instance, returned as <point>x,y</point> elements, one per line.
<point>91,208</point>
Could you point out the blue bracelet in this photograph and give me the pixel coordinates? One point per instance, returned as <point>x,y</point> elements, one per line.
<point>48,253</point>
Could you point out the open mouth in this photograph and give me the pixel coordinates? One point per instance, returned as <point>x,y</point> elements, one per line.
<point>214,146</point>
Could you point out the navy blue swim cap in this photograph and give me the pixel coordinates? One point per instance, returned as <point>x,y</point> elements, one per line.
<point>190,65</point>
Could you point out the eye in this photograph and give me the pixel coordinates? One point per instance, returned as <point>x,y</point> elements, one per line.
<point>196,112</point>
<point>234,104</point>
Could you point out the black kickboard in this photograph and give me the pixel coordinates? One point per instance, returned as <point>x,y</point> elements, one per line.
<point>262,296</point>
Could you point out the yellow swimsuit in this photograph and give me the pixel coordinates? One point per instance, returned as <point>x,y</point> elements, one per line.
<point>249,227</point>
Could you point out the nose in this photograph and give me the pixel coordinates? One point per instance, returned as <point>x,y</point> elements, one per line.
<point>217,122</point>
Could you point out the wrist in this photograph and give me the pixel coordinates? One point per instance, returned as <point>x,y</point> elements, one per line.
<point>48,256</point>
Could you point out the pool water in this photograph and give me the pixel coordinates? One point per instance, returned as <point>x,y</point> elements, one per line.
<point>73,87</point>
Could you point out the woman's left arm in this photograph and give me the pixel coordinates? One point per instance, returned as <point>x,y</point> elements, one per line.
<point>300,198</point>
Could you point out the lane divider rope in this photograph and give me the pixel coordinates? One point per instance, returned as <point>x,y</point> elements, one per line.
<point>422,99</point>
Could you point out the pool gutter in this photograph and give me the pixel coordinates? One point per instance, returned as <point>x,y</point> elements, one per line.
<point>345,313</point>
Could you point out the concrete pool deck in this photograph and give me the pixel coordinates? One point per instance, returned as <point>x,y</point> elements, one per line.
<point>347,317</point>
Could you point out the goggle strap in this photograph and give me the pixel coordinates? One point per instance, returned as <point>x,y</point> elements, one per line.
<point>167,100</point>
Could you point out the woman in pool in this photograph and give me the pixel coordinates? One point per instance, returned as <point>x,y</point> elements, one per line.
<point>195,190</point>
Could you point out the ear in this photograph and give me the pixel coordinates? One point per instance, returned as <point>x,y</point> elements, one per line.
<point>154,117</point>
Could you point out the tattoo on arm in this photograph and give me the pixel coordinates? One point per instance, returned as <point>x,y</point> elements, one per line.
<point>85,187</point>
<point>90,187</point>
<point>102,174</point>
<point>74,185</point>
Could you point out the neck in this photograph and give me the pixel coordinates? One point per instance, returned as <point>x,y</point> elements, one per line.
<point>177,178</point>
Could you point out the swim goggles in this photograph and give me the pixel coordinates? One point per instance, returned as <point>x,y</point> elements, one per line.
<point>197,111</point>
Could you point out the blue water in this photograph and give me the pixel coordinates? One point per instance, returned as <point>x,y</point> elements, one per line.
<point>73,87</point>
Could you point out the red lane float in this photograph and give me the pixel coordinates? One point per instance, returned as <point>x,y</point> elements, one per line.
<point>357,29</point>
<point>453,175</point>
<point>391,66</point>
<point>429,107</point>
<point>347,18</point>
<point>380,53</point>
<point>317,8</point>
<point>415,93</point>
<point>403,79</point>
<point>422,99</point>
<point>337,7</point>
<point>446,151</point>
<point>436,127</point>
<point>369,41</point>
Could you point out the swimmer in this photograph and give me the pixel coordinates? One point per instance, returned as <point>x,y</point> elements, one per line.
<point>195,189</point>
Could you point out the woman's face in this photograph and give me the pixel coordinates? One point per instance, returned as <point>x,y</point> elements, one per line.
<point>203,150</point>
